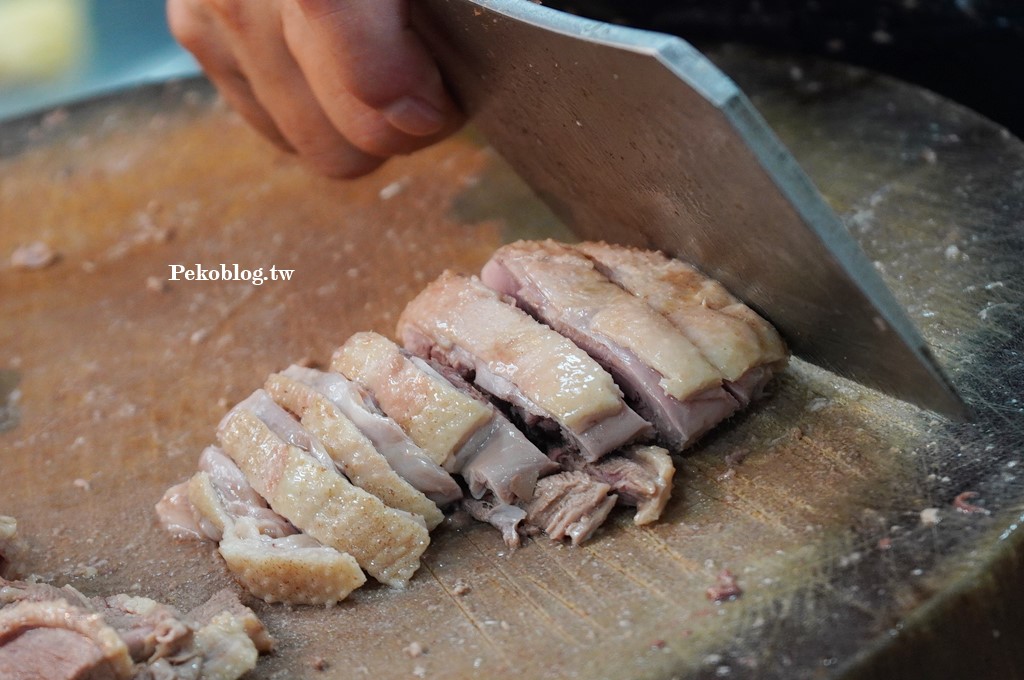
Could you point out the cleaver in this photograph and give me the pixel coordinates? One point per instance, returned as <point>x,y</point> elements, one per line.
<point>634,137</point>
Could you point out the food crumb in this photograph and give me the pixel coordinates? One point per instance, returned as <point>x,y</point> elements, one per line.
<point>82,484</point>
<point>930,517</point>
<point>726,587</point>
<point>156,284</point>
<point>392,190</point>
<point>962,503</point>
<point>461,588</point>
<point>320,664</point>
<point>35,255</point>
<point>415,650</point>
<point>736,457</point>
<point>952,252</point>
<point>419,672</point>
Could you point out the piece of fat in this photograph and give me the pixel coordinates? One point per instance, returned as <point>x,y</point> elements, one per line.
<point>435,415</point>
<point>462,323</point>
<point>351,451</point>
<point>318,500</point>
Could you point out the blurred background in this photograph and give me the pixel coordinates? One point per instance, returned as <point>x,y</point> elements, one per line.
<point>971,51</point>
<point>53,51</point>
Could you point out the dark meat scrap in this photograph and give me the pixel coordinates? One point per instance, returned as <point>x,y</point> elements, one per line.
<point>726,587</point>
<point>963,504</point>
<point>640,475</point>
<point>504,517</point>
<point>460,322</point>
<point>53,633</point>
<point>569,504</point>
<point>663,375</point>
<point>461,430</point>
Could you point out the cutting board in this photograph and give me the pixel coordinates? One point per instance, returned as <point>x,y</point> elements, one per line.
<point>832,505</point>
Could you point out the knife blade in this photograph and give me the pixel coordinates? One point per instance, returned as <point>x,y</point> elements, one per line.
<point>634,137</point>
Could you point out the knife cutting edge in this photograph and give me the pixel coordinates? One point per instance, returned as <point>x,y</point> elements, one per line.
<point>634,137</point>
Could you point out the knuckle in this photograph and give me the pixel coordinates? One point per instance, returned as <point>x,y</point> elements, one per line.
<point>185,24</point>
<point>232,14</point>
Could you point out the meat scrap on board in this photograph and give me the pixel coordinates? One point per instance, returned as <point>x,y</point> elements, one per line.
<point>59,633</point>
<point>536,397</point>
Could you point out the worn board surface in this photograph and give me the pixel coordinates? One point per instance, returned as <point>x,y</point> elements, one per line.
<point>113,379</point>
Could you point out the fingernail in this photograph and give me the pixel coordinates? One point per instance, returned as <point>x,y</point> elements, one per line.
<point>415,116</point>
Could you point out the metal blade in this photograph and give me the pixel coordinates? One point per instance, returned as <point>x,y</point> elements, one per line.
<point>634,137</point>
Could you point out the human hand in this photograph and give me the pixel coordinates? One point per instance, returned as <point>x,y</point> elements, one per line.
<point>344,84</point>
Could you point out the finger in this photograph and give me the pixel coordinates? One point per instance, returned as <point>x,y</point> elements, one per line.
<point>373,53</point>
<point>362,125</point>
<point>195,31</point>
<point>254,33</point>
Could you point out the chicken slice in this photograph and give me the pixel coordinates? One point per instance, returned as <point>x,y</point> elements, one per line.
<point>263,551</point>
<point>352,452</point>
<point>408,460</point>
<point>665,377</point>
<point>569,504</point>
<point>387,543</point>
<point>438,417</point>
<point>460,322</point>
<point>293,569</point>
<point>57,639</point>
<point>445,416</point>
<point>742,345</point>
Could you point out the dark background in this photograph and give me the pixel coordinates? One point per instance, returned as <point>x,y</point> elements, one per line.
<point>971,51</point>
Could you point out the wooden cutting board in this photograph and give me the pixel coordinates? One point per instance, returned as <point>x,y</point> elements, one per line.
<point>115,378</point>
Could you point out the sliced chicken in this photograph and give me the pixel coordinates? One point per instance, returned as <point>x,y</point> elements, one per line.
<point>55,639</point>
<point>640,475</point>
<point>569,504</point>
<point>458,321</point>
<point>293,569</point>
<point>263,551</point>
<point>408,460</point>
<point>734,338</point>
<point>351,451</point>
<point>314,497</point>
<point>438,417</point>
<point>461,430</point>
<point>664,376</point>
